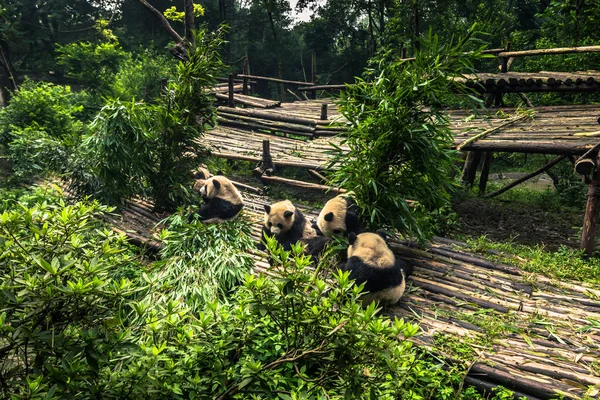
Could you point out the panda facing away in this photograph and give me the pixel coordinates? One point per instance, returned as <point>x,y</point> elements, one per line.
<point>223,202</point>
<point>370,261</point>
<point>287,223</point>
<point>339,216</point>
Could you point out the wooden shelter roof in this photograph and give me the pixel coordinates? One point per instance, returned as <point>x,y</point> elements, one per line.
<point>544,81</point>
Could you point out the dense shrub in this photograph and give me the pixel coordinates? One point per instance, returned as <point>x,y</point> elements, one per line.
<point>94,65</point>
<point>42,106</point>
<point>400,138</point>
<point>151,149</point>
<point>59,315</point>
<point>40,127</point>
<point>140,77</point>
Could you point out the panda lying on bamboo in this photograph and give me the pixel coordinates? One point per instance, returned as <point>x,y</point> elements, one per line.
<point>288,225</point>
<point>370,261</point>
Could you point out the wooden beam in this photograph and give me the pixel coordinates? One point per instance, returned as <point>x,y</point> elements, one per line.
<point>470,169</point>
<point>543,52</point>
<point>268,79</point>
<point>527,177</point>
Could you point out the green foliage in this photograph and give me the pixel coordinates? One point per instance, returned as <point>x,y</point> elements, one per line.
<point>33,152</point>
<point>151,149</point>
<point>140,77</point>
<point>562,264</point>
<point>118,151</point>
<point>42,106</point>
<point>94,65</point>
<point>399,139</point>
<point>40,127</point>
<point>184,112</point>
<point>172,14</point>
<point>69,329</point>
<point>59,307</point>
<point>203,263</point>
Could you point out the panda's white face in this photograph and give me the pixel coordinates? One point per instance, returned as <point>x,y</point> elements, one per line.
<point>332,219</point>
<point>211,188</point>
<point>279,217</point>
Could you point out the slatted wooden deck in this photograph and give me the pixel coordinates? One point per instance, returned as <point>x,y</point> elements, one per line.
<point>535,335</point>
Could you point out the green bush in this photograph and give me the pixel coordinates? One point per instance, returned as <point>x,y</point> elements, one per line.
<point>59,317</point>
<point>400,138</point>
<point>45,107</point>
<point>151,149</point>
<point>94,65</point>
<point>140,78</point>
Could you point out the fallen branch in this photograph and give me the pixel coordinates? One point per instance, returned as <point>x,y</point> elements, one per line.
<point>527,177</point>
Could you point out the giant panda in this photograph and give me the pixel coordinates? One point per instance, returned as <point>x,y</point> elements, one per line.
<point>339,216</point>
<point>370,261</point>
<point>287,223</point>
<point>223,202</point>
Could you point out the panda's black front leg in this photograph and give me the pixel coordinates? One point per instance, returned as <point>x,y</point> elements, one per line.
<point>261,244</point>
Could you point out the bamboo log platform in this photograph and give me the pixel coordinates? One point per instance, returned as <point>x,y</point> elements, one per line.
<point>560,130</point>
<point>543,81</point>
<point>529,333</point>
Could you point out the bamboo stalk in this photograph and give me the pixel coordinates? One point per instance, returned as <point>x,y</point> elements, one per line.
<point>491,130</point>
<point>535,173</point>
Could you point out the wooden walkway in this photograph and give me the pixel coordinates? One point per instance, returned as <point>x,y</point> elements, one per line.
<point>527,332</point>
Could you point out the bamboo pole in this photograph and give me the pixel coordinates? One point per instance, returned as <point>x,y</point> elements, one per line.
<point>558,50</point>
<point>268,79</point>
<point>485,172</point>
<point>527,177</point>
<point>230,101</point>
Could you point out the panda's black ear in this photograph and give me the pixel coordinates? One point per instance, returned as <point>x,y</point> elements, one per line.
<point>219,172</point>
<point>267,209</point>
<point>288,214</point>
<point>351,238</point>
<point>328,217</point>
<point>383,233</point>
<point>216,183</point>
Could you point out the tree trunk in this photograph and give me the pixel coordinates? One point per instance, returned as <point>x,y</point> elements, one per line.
<point>416,23</point>
<point>190,34</point>
<point>10,81</point>
<point>279,70</point>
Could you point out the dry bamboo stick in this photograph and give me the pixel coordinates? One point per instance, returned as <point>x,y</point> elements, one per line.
<point>527,177</point>
<point>492,130</point>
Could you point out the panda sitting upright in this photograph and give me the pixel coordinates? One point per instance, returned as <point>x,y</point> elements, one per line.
<point>339,216</point>
<point>287,223</point>
<point>223,202</point>
<point>370,261</point>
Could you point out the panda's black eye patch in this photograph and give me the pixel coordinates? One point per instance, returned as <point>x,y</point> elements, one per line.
<point>280,226</point>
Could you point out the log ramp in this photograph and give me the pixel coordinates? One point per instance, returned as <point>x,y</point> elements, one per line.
<point>524,331</point>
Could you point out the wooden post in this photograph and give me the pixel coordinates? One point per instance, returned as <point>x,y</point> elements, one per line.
<point>591,213</point>
<point>230,101</point>
<point>313,93</point>
<point>503,69</point>
<point>485,172</point>
<point>470,168</point>
<point>324,111</point>
<point>265,165</point>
